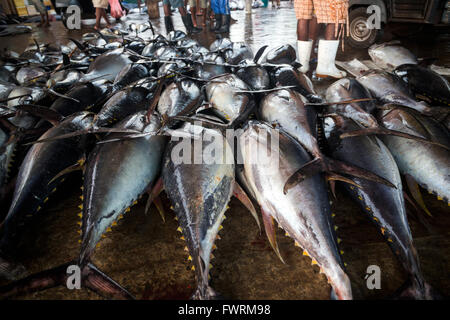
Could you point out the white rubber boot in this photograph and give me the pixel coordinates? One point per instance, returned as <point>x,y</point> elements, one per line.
<point>304,54</point>
<point>326,57</point>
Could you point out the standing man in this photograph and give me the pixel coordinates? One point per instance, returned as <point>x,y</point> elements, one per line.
<point>187,20</point>
<point>330,12</point>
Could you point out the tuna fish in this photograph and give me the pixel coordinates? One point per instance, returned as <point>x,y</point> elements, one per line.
<point>304,213</point>
<point>35,180</point>
<point>388,88</point>
<point>226,100</point>
<point>390,55</point>
<point>116,175</point>
<point>383,205</point>
<point>290,76</point>
<point>107,65</point>
<point>181,97</point>
<point>424,163</point>
<point>426,82</point>
<point>199,194</point>
<point>359,111</point>
<point>284,54</point>
<point>125,102</point>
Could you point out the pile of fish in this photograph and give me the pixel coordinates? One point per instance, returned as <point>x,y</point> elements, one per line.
<point>111,105</point>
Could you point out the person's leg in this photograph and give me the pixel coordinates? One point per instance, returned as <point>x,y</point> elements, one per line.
<point>303,30</point>
<point>98,17</point>
<point>326,55</point>
<point>193,10</point>
<point>202,6</point>
<point>166,9</point>
<point>224,9</point>
<point>167,17</point>
<point>187,21</point>
<point>304,13</point>
<point>47,19</point>
<point>108,24</point>
<point>217,16</point>
<point>40,24</point>
<point>313,28</point>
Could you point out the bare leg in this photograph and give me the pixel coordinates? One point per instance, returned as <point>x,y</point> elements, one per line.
<point>203,17</point>
<point>167,11</point>
<point>329,32</point>
<point>98,17</point>
<point>40,24</point>
<point>302,30</point>
<point>47,23</point>
<point>193,15</point>
<point>183,11</point>
<point>108,25</point>
<point>313,32</point>
<point>313,29</point>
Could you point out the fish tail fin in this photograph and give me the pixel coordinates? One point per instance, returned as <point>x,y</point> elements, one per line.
<point>206,293</point>
<point>90,277</point>
<point>331,166</point>
<point>413,290</point>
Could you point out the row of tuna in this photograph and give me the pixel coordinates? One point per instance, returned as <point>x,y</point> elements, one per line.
<point>108,105</point>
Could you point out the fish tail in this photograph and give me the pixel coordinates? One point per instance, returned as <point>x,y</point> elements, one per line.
<point>206,293</point>
<point>90,277</point>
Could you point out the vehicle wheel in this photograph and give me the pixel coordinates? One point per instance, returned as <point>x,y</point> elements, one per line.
<point>360,35</point>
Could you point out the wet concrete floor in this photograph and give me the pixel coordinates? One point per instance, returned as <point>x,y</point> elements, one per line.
<point>146,255</point>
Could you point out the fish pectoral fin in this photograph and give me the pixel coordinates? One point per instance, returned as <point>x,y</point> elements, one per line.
<point>331,177</point>
<point>310,168</point>
<point>42,112</point>
<point>351,170</point>
<point>91,278</point>
<point>384,131</point>
<point>239,193</point>
<point>269,226</point>
<point>79,165</point>
<point>205,123</point>
<point>78,44</point>
<point>321,104</point>
<point>415,192</point>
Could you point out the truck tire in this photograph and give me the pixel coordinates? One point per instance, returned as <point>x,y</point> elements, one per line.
<point>360,35</point>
